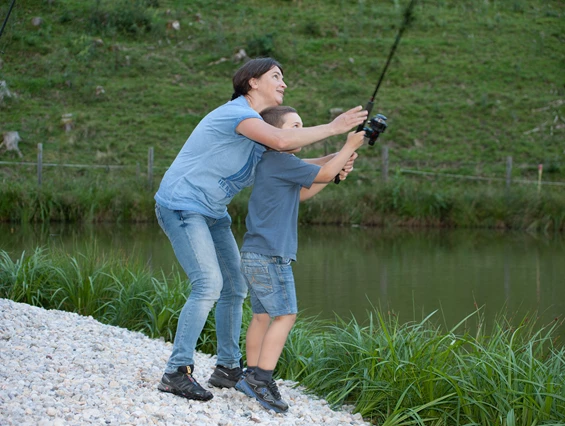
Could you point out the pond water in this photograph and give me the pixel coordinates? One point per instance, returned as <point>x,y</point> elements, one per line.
<point>348,270</point>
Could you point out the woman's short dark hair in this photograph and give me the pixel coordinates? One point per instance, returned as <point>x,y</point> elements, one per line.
<point>254,68</point>
<point>275,115</point>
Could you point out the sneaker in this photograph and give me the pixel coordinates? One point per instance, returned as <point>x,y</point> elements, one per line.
<point>266,393</point>
<point>224,377</point>
<point>245,372</point>
<point>182,383</point>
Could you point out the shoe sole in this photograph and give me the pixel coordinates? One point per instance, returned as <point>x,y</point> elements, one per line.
<point>164,388</point>
<point>246,389</point>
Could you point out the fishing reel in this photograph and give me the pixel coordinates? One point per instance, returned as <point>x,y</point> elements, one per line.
<point>377,125</point>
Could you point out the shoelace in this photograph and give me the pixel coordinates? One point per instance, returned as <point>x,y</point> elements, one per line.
<point>191,379</point>
<point>274,389</point>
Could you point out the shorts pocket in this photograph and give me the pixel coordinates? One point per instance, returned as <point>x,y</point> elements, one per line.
<point>257,276</point>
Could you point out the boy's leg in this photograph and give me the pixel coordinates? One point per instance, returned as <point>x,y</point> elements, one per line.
<point>254,339</point>
<point>274,340</point>
<point>271,282</point>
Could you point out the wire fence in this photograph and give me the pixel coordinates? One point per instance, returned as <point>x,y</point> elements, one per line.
<point>381,167</point>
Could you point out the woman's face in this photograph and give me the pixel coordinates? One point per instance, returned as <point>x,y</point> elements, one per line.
<point>270,86</point>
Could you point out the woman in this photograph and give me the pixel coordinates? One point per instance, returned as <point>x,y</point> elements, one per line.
<point>215,163</point>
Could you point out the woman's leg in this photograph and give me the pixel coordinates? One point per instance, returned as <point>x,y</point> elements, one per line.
<point>194,248</point>
<point>229,309</point>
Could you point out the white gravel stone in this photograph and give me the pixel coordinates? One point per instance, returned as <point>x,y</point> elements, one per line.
<point>60,368</point>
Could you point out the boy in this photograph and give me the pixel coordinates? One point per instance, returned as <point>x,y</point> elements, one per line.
<point>270,244</point>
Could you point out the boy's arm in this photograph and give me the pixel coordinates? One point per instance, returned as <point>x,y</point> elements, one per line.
<point>306,193</point>
<point>336,163</point>
<point>329,170</point>
<point>320,161</point>
<point>323,160</point>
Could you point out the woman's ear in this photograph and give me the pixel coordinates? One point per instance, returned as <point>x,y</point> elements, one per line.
<point>253,83</point>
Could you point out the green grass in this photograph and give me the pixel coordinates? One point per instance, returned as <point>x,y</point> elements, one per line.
<point>470,82</point>
<point>393,371</point>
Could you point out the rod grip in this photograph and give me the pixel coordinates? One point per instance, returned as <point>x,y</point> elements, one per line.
<point>360,128</point>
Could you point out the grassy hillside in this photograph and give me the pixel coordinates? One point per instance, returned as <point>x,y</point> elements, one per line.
<point>471,82</point>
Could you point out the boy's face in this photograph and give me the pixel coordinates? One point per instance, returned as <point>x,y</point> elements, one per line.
<point>292,121</point>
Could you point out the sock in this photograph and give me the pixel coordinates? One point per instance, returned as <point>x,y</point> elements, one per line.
<point>263,375</point>
<point>250,369</point>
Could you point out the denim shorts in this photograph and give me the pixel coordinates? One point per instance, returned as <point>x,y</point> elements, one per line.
<point>271,284</point>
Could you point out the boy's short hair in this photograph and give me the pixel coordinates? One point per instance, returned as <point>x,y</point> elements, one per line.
<point>275,115</point>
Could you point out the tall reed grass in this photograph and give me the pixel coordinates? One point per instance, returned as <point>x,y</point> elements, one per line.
<point>414,373</point>
<point>399,202</point>
<point>393,372</point>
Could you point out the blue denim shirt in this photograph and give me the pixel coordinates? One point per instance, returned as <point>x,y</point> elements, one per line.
<point>214,164</point>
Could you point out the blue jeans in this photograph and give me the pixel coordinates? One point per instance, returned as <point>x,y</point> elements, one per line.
<point>207,251</point>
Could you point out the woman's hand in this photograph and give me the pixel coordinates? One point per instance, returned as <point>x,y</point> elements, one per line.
<point>349,119</point>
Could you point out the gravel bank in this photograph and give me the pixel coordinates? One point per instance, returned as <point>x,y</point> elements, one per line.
<point>60,368</point>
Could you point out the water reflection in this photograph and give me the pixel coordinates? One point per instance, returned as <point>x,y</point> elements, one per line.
<point>346,271</point>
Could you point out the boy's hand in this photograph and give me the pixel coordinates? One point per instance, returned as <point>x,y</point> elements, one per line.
<point>349,119</point>
<point>348,168</point>
<point>355,139</point>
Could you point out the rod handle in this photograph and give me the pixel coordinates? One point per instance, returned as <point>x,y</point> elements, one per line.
<point>360,128</point>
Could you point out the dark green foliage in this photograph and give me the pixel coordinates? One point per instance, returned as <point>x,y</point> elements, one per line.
<point>125,17</point>
<point>261,46</point>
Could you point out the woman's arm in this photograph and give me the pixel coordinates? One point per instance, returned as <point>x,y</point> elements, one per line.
<point>288,139</point>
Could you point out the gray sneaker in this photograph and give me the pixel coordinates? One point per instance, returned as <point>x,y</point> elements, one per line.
<point>182,383</point>
<point>266,393</point>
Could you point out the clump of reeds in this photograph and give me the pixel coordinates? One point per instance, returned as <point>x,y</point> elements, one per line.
<point>416,374</point>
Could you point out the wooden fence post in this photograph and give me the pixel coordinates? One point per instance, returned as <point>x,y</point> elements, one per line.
<point>385,163</point>
<point>508,172</point>
<point>150,169</point>
<point>39,163</point>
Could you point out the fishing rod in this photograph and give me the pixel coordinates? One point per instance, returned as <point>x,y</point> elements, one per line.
<point>6,20</point>
<point>377,124</point>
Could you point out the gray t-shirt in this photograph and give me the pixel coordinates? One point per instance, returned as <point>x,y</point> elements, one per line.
<point>272,218</point>
<point>214,164</point>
